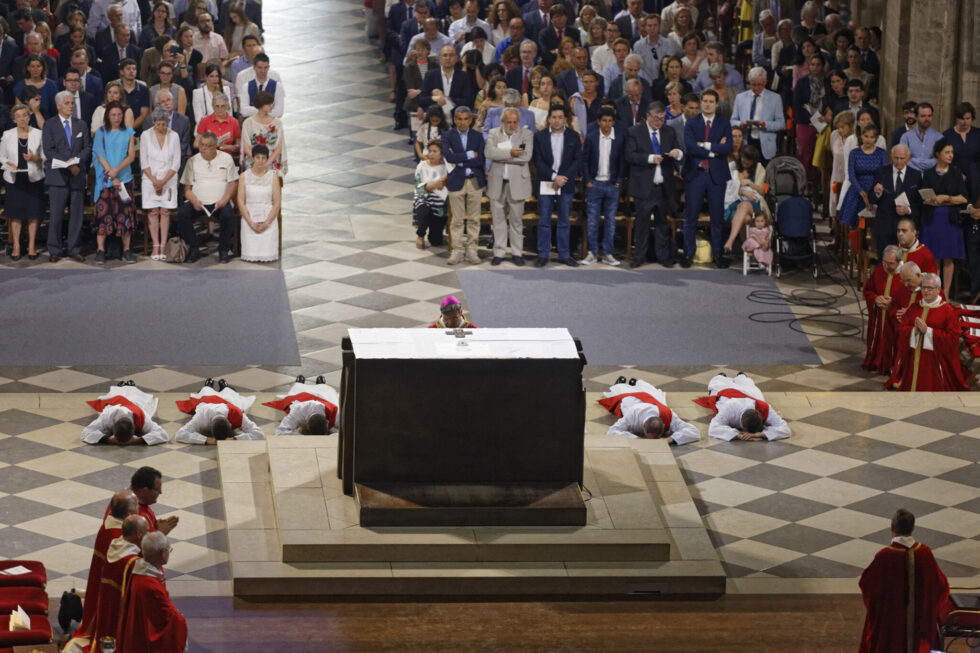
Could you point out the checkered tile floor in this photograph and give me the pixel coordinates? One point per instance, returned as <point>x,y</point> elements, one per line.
<point>814,506</point>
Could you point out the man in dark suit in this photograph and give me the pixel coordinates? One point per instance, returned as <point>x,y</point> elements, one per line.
<point>603,171</point>
<point>112,55</point>
<point>631,109</point>
<point>628,24</point>
<point>550,37</point>
<point>890,183</point>
<point>708,142</point>
<point>8,53</point>
<point>558,159</point>
<point>855,102</point>
<point>692,106</point>
<point>631,70</point>
<point>434,85</point>
<point>85,103</point>
<point>908,113</point>
<point>653,153</point>
<point>106,37</point>
<point>536,19</point>
<point>463,147</point>
<point>519,77</point>
<point>65,138</point>
<point>572,81</point>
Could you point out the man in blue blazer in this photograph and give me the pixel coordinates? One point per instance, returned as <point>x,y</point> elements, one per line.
<point>760,113</point>
<point>603,172</point>
<point>558,159</point>
<point>457,94</point>
<point>463,147</point>
<point>708,142</point>
<point>536,18</point>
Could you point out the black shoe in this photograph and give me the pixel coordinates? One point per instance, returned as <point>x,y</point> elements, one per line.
<point>100,257</point>
<point>540,262</point>
<point>632,381</point>
<point>669,263</point>
<point>32,257</point>
<point>635,264</point>
<point>193,257</point>
<point>496,260</point>
<point>517,260</point>
<point>740,373</point>
<point>621,379</point>
<point>722,263</point>
<point>224,257</point>
<point>320,380</point>
<point>209,382</point>
<point>570,262</point>
<point>686,262</point>
<point>70,610</point>
<point>53,258</point>
<point>722,374</point>
<point>400,125</point>
<point>222,384</point>
<point>300,378</point>
<point>128,257</point>
<point>727,253</point>
<point>16,258</point>
<point>78,258</point>
<point>130,383</point>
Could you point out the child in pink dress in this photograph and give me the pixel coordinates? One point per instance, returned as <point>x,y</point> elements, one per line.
<point>757,244</point>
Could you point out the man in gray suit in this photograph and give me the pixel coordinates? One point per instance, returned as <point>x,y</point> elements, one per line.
<point>692,107</point>
<point>66,139</point>
<point>509,147</point>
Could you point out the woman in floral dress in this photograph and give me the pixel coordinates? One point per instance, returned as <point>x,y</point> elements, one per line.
<point>264,129</point>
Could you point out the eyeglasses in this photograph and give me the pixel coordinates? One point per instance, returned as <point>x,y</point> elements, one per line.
<point>930,287</point>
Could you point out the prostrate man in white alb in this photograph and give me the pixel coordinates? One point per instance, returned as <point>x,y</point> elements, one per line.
<point>125,418</point>
<point>741,412</point>
<point>310,409</point>
<point>217,415</point>
<point>643,413</point>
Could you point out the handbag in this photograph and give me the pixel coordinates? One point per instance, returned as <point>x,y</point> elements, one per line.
<point>176,250</point>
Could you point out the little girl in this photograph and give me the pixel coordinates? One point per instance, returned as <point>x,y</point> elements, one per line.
<point>430,130</point>
<point>430,196</point>
<point>757,244</point>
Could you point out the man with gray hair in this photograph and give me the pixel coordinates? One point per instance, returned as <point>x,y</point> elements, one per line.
<point>511,100</point>
<point>884,294</point>
<point>894,193</point>
<point>179,122</point>
<point>463,148</point>
<point>631,70</point>
<point>34,44</point>
<point>148,620</point>
<point>210,180</point>
<point>759,112</point>
<point>519,77</point>
<point>510,147</point>
<point>67,152</point>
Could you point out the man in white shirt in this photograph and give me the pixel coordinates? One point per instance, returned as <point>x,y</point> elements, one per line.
<point>460,28</point>
<point>97,18</point>
<point>310,409</point>
<point>741,412</point>
<point>643,413</point>
<point>210,180</point>
<point>654,49</point>
<point>603,55</point>
<point>430,32</point>
<point>125,418</point>
<point>259,78</point>
<point>217,415</point>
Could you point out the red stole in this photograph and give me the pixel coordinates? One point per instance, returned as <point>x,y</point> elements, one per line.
<point>109,599</point>
<point>90,608</point>
<point>284,404</point>
<point>921,256</point>
<point>612,404</point>
<point>731,393</point>
<point>884,587</point>
<point>881,329</point>
<point>919,369</point>
<point>148,621</point>
<point>235,413</point>
<point>139,419</point>
<point>146,512</point>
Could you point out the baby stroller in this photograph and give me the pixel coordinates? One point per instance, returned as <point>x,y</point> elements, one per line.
<point>794,234</point>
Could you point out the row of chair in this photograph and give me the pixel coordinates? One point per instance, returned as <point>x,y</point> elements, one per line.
<point>27,591</point>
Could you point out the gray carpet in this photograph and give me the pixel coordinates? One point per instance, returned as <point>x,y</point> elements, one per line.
<point>643,317</point>
<point>163,317</point>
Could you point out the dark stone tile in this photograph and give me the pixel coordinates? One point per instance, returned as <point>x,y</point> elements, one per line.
<point>119,455</point>
<point>945,419</point>
<point>220,571</point>
<point>15,510</point>
<point>368,260</point>
<point>877,477</point>
<point>110,479</point>
<point>885,505</point>
<point>707,507</point>
<point>450,279</point>
<point>217,540</point>
<point>721,539</point>
<point>383,320</point>
<point>957,446</point>
<point>761,451</point>
<point>814,567</point>
<point>306,322</point>
<point>682,385</point>
<point>797,537</point>
<point>373,280</point>
<point>18,372</point>
<point>868,449</point>
<point>786,507</point>
<point>15,422</point>
<point>17,543</point>
<point>736,571</point>
<point>97,508</point>
<point>954,570</point>
<point>294,281</point>
<point>15,479</point>
<point>347,179</point>
<point>973,505</point>
<point>298,301</point>
<point>771,477</point>
<point>17,450</point>
<point>114,372</point>
<point>969,475</point>
<point>846,420</point>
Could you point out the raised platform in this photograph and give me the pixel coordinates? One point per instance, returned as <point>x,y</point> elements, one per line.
<point>293,532</point>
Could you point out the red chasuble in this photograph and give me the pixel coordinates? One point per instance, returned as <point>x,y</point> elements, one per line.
<point>884,589</point>
<point>882,323</point>
<point>90,606</point>
<point>139,418</point>
<point>110,598</point>
<point>919,369</point>
<point>612,404</point>
<point>921,256</point>
<point>234,412</point>
<point>148,621</point>
<point>712,401</point>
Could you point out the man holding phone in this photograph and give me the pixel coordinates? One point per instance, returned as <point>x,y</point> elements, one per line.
<point>509,149</point>
<point>759,111</point>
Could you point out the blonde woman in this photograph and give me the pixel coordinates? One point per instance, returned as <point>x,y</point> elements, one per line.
<point>843,127</point>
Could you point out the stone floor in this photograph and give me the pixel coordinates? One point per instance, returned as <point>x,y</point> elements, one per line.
<point>812,507</point>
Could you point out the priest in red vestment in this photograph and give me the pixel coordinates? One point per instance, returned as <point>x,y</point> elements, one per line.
<point>147,484</point>
<point>903,590</point>
<point>912,249</point>
<point>148,621</point>
<point>884,293</point>
<point>122,555</point>
<point>928,340</point>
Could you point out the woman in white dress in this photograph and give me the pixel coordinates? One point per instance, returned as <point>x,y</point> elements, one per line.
<point>202,99</point>
<point>159,161</point>
<point>264,129</point>
<point>259,196</point>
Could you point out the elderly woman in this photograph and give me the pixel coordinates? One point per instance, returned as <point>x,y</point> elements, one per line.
<point>113,151</point>
<point>160,162</point>
<point>264,129</point>
<point>20,151</point>
<point>203,97</point>
<point>259,197</point>
<point>763,41</point>
<point>843,127</point>
<point>222,124</point>
<point>726,94</point>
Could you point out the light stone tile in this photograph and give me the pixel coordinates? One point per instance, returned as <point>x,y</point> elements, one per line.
<point>175,464</point>
<point>964,552</point>
<point>160,379</point>
<point>185,587</point>
<point>326,270</point>
<point>906,435</point>
<point>254,378</point>
<point>836,493</point>
<point>64,380</point>
<point>244,468</point>
<point>811,435</point>
<point>728,493</point>
<point>342,511</point>
<point>66,494</point>
<point>816,462</point>
<point>254,545</point>
<point>65,558</point>
<point>67,464</point>
<point>335,311</point>
<point>741,523</point>
<point>420,290</point>
<point>29,400</point>
<point>922,462</point>
<point>315,570</point>
<point>248,506</point>
<point>293,468</point>
<point>191,525</point>
<point>67,525</point>
<point>847,522</point>
<point>857,553</point>
<point>413,270</point>
<point>187,558</point>
<point>952,520</point>
<point>300,508</point>
<point>424,312</point>
<point>692,544</point>
<point>939,491</point>
<point>714,463</point>
<point>181,494</point>
<point>681,515</point>
<point>63,436</point>
<point>756,555</point>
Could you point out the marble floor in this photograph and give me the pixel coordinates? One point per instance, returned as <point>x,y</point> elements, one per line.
<point>809,509</point>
